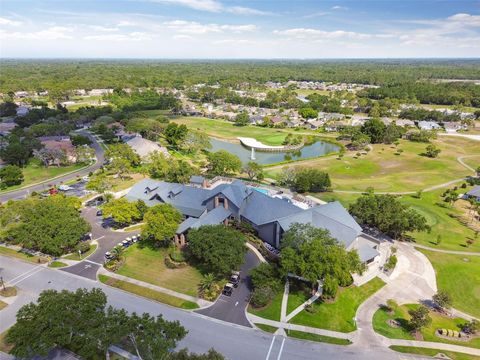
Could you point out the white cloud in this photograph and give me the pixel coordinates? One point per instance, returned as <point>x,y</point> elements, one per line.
<point>315,34</point>
<point>52,33</point>
<point>103,28</point>
<point>338,7</point>
<point>5,21</point>
<point>133,36</point>
<point>195,28</point>
<point>240,10</point>
<point>465,19</point>
<point>183,37</point>
<point>204,5</point>
<point>124,23</point>
<point>316,14</point>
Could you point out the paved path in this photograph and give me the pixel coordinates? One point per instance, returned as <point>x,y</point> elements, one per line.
<point>453,252</point>
<point>40,187</point>
<point>283,308</point>
<point>460,160</point>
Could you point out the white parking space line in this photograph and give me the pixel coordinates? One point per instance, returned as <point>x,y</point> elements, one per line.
<point>25,273</point>
<point>38,269</point>
<point>270,348</point>
<point>281,349</point>
<point>101,237</point>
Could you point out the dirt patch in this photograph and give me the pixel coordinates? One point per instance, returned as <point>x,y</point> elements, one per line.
<point>389,164</point>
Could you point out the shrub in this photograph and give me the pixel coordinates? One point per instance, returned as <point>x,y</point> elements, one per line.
<point>391,263</point>
<point>83,247</point>
<point>311,309</point>
<point>262,296</point>
<point>176,254</point>
<point>330,287</point>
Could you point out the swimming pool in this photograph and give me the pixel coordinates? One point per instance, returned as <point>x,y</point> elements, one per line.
<point>263,191</point>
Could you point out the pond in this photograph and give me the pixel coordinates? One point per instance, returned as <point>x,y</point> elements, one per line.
<point>316,149</point>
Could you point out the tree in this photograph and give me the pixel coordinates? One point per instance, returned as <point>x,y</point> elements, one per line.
<point>359,141</point>
<point>432,151</point>
<point>308,113</point>
<point>55,221</point>
<point>79,140</point>
<point>122,159</point>
<point>242,119</point>
<point>99,182</point>
<point>19,148</point>
<point>184,355</point>
<point>10,175</point>
<point>419,317</point>
<point>313,254</point>
<point>161,223</point>
<point>254,170</point>
<point>84,154</point>
<point>309,179</point>
<point>122,211</point>
<point>223,163</point>
<point>51,156</point>
<point>387,214</point>
<point>81,322</point>
<point>375,129</point>
<point>442,299</point>
<point>218,248</point>
<point>196,141</point>
<point>266,275</point>
<point>8,108</point>
<point>175,134</point>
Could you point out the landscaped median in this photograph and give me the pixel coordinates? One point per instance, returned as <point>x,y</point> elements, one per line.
<point>22,255</point>
<point>148,293</point>
<point>318,338</point>
<point>433,352</point>
<point>394,323</point>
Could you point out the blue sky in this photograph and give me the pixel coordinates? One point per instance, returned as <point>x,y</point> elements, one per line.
<point>239,29</point>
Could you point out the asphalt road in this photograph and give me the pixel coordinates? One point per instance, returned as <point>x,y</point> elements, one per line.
<point>235,342</point>
<point>232,308</point>
<point>22,193</point>
<point>106,240</point>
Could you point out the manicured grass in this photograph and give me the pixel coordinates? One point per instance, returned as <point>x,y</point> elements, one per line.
<point>134,227</point>
<point>35,172</point>
<point>267,328</point>
<point>8,291</point>
<point>75,256</point>
<point>148,265</point>
<point>226,130</point>
<point>3,305</point>
<point>459,275</point>
<point>433,352</point>
<point>271,311</point>
<point>122,184</point>
<point>21,255</point>
<point>297,295</point>
<point>387,172</point>
<point>57,264</point>
<point>318,338</point>
<point>438,322</point>
<point>148,293</point>
<point>339,315</point>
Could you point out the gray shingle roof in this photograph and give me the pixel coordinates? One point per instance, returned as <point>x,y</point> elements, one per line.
<point>214,217</point>
<point>196,179</point>
<point>236,192</point>
<point>366,253</point>
<point>475,191</point>
<point>260,208</point>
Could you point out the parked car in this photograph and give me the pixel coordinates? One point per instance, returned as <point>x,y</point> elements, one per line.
<point>99,213</point>
<point>227,289</point>
<point>108,255</point>
<point>134,238</point>
<point>235,278</point>
<point>129,239</point>
<point>125,243</point>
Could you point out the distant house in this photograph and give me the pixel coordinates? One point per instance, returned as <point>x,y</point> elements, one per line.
<point>62,143</point>
<point>428,125</point>
<point>255,119</point>
<point>276,120</point>
<point>144,147</point>
<point>452,127</point>
<point>474,193</point>
<point>405,123</point>
<point>316,124</point>
<point>270,217</point>
<point>6,128</point>
<point>22,110</point>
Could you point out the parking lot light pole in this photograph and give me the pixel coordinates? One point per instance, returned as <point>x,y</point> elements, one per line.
<point>80,254</point>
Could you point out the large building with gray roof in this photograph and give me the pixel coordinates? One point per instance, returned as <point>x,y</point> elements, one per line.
<point>270,216</point>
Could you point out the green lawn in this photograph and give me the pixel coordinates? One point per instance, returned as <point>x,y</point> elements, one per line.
<point>20,255</point>
<point>57,264</point>
<point>318,338</point>
<point>433,352</point>
<point>34,173</point>
<point>267,328</point>
<point>271,311</point>
<point>226,130</point>
<point>459,275</point>
<point>382,169</point>
<point>298,293</point>
<point>75,256</point>
<point>338,316</point>
<point>148,265</point>
<point>148,293</point>
<point>438,322</point>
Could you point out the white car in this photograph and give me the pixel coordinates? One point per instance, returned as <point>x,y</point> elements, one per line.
<point>134,239</point>
<point>125,243</point>
<point>64,188</point>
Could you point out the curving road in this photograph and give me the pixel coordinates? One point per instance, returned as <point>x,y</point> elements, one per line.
<point>235,342</point>
<point>40,187</point>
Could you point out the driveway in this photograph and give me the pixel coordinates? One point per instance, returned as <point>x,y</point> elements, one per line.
<point>106,239</point>
<point>22,193</point>
<point>232,308</point>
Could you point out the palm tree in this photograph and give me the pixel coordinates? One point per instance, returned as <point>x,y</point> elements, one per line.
<point>207,282</point>
<point>117,252</point>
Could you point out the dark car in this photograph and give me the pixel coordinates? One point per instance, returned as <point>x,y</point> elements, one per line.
<point>99,213</point>
<point>235,279</point>
<point>227,289</point>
